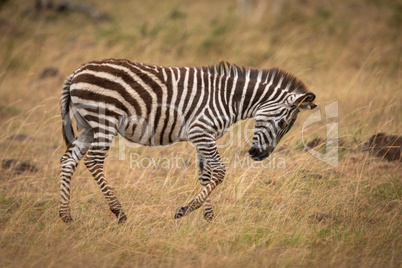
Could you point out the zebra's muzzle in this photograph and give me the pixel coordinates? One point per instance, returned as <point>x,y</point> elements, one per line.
<point>259,154</point>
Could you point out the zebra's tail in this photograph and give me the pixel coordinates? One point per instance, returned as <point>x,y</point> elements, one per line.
<point>67,127</point>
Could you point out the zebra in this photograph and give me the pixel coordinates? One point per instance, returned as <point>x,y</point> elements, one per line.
<point>156,106</point>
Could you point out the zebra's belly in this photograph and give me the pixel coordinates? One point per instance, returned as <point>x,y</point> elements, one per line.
<point>152,132</point>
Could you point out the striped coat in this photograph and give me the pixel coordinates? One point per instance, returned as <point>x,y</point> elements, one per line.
<point>153,106</point>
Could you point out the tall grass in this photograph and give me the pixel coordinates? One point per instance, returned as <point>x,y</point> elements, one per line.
<point>299,212</point>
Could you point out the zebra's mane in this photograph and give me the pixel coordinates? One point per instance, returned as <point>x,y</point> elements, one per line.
<point>264,75</point>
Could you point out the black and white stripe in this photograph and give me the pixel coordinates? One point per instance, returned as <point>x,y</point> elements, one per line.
<point>153,105</point>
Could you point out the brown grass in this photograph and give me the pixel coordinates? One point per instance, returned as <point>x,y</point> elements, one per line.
<point>348,51</point>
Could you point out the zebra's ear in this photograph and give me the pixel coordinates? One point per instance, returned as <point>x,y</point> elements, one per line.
<point>305,101</point>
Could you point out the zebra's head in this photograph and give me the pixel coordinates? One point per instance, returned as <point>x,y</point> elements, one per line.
<point>273,122</point>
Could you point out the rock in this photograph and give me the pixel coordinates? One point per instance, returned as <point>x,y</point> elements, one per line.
<point>20,137</point>
<point>316,142</point>
<point>318,216</point>
<point>19,166</point>
<point>48,72</point>
<point>388,147</point>
<point>64,6</point>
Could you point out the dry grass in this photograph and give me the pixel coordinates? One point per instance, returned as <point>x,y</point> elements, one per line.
<point>349,215</point>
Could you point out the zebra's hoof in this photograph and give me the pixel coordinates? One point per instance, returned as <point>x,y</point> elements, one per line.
<point>209,215</point>
<point>122,218</point>
<point>66,218</point>
<point>180,212</point>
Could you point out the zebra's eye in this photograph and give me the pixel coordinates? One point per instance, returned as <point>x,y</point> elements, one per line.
<point>281,123</point>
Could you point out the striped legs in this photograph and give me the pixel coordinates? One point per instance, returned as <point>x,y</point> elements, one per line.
<point>69,162</point>
<point>213,176</point>
<point>95,147</point>
<point>94,161</point>
<point>204,176</point>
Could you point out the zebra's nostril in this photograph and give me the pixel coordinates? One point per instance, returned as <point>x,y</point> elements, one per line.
<point>252,151</point>
<point>258,155</point>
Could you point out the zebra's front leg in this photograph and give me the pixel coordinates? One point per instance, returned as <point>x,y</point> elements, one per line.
<point>204,176</point>
<point>216,174</point>
<point>208,210</point>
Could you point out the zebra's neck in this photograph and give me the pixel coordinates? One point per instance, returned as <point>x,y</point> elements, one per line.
<point>231,93</point>
<point>240,97</point>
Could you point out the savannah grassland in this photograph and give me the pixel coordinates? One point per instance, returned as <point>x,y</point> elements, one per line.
<point>346,51</point>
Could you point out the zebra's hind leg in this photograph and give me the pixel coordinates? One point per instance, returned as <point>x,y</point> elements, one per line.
<point>68,166</point>
<point>94,161</point>
<point>69,162</point>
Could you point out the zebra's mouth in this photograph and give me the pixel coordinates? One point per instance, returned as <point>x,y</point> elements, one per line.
<point>259,154</point>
